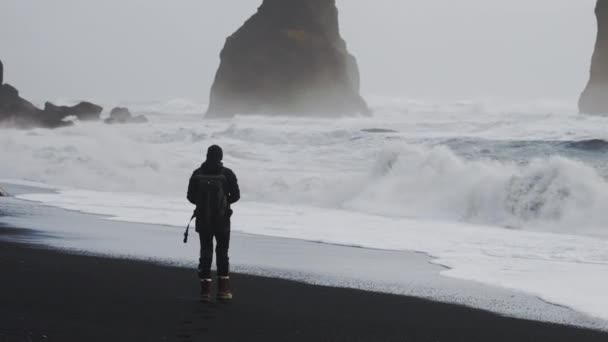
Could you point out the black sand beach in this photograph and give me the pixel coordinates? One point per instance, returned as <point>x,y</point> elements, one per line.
<point>47,295</point>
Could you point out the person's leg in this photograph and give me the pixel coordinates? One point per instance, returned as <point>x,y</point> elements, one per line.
<point>206,257</point>
<point>204,266</point>
<point>221,250</point>
<point>223,265</point>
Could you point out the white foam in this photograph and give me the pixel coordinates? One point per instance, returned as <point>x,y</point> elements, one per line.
<point>333,164</point>
<point>550,194</point>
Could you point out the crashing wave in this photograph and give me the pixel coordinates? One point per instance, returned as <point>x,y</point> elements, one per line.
<point>553,193</point>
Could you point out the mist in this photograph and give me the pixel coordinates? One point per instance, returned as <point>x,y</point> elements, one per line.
<point>139,50</point>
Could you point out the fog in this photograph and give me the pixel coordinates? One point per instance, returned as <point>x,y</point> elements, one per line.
<point>119,50</point>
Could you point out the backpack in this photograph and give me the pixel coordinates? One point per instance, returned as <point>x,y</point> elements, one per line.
<point>211,202</point>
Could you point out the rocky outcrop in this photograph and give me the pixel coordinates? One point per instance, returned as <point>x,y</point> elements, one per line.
<point>20,113</point>
<point>120,115</point>
<point>594,99</point>
<point>3,193</point>
<point>288,58</point>
<point>84,111</point>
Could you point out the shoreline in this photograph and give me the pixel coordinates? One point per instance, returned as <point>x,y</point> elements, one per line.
<point>308,262</point>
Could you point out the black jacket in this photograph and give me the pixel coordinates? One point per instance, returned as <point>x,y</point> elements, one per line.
<point>231,186</point>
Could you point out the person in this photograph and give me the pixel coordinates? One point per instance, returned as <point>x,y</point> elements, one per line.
<point>218,229</point>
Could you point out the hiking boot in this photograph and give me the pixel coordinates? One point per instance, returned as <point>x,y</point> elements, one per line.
<point>223,289</point>
<point>206,290</point>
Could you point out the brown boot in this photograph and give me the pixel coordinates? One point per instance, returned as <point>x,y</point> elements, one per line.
<point>223,289</point>
<point>206,290</point>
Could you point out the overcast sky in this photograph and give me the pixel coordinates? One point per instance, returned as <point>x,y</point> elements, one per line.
<point>119,50</point>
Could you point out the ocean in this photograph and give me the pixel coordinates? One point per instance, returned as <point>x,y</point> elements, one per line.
<point>507,194</point>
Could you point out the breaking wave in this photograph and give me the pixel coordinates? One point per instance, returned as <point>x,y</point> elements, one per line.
<point>555,193</point>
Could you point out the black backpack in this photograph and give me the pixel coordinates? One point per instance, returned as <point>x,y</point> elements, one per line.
<point>211,201</point>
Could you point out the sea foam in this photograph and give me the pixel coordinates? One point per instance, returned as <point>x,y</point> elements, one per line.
<point>410,164</point>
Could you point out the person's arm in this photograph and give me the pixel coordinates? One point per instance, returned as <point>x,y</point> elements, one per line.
<point>192,196</point>
<point>234,193</point>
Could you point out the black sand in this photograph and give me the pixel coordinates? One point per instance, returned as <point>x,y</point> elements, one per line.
<point>48,295</point>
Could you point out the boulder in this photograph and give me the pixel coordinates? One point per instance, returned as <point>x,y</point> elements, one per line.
<point>594,99</point>
<point>20,113</point>
<point>288,58</point>
<point>120,115</point>
<point>3,193</point>
<point>84,111</point>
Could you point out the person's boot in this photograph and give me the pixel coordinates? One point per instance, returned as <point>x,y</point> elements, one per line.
<point>223,289</point>
<point>206,290</point>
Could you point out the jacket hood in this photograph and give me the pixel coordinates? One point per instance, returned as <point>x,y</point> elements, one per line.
<point>212,167</point>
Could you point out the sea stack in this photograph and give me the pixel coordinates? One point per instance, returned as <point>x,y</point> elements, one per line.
<point>287,59</point>
<point>121,115</point>
<point>594,99</point>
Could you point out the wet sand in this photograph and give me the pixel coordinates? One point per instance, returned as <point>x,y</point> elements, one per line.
<point>50,295</point>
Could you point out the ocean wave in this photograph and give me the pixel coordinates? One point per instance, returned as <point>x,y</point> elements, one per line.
<point>546,146</point>
<point>588,145</point>
<point>554,193</point>
<point>422,168</point>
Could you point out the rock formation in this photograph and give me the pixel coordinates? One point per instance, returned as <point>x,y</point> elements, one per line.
<point>20,113</point>
<point>84,111</point>
<point>288,58</point>
<point>594,99</point>
<point>121,115</point>
<point>3,193</point>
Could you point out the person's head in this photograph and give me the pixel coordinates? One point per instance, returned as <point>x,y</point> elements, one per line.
<point>215,154</point>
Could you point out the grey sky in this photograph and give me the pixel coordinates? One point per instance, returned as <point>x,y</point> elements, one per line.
<point>113,50</point>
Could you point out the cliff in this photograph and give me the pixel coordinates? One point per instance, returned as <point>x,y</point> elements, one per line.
<point>594,99</point>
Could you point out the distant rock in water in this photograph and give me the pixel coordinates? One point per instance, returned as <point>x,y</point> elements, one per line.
<point>84,111</point>
<point>288,58</point>
<point>20,113</point>
<point>3,193</point>
<point>594,99</point>
<point>120,115</point>
<point>378,130</point>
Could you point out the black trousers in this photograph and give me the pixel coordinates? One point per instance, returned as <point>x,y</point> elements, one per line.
<point>222,238</point>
